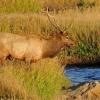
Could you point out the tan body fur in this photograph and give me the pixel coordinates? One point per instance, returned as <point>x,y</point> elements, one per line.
<point>31,48</point>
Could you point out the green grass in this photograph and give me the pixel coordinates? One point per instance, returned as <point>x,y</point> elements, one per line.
<point>44,81</point>
<point>19,6</point>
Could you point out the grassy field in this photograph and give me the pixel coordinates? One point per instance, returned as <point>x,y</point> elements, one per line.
<point>44,80</point>
<point>81,26</point>
<point>22,6</point>
<point>27,6</point>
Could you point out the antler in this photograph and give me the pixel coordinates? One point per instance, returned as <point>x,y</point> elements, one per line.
<point>56,26</point>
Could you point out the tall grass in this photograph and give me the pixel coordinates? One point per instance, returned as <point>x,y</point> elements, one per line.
<point>82,26</point>
<point>27,6</point>
<point>42,82</point>
<point>46,77</point>
<point>69,4</point>
<point>19,6</point>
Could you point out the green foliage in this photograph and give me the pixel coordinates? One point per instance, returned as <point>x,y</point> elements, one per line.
<point>89,44</point>
<point>86,3</point>
<point>41,82</point>
<point>19,6</point>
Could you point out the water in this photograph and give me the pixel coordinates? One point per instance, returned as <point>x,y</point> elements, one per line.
<point>78,75</point>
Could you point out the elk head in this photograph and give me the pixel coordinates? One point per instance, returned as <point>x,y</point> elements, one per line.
<point>67,41</point>
<point>62,35</point>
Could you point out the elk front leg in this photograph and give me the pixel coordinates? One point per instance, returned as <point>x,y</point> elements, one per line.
<point>3,54</point>
<point>2,61</point>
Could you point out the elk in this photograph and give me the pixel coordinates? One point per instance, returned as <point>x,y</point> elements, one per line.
<point>32,48</point>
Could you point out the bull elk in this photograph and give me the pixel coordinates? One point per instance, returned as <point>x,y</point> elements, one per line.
<point>32,48</point>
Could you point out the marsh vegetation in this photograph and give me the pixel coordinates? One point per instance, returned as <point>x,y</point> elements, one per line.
<point>80,18</point>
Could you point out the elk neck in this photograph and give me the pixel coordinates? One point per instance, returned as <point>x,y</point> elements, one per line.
<point>52,47</point>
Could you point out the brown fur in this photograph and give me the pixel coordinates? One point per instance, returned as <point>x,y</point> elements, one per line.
<point>31,48</point>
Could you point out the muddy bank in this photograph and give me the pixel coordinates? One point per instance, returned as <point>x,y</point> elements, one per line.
<point>83,91</point>
<point>80,61</point>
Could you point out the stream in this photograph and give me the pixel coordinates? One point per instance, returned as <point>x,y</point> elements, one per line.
<point>78,75</point>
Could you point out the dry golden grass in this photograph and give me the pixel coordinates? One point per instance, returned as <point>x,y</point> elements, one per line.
<point>82,26</point>
<point>43,81</point>
<point>19,6</point>
<point>39,82</point>
<point>46,77</point>
<point>27,6</point>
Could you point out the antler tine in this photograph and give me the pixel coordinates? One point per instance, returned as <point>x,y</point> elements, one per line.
<point>70,25</point>
<point>56,26</point>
